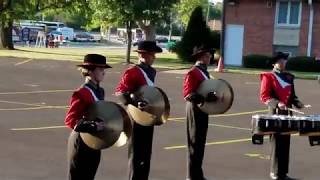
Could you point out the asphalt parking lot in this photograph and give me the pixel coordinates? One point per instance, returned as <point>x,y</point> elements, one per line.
<point>34,96</point>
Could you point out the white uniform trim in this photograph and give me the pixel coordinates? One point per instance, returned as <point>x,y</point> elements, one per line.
<point>205,77</point>
<point>149,82</point>
<point>282,83</point>
<point>92,93</point>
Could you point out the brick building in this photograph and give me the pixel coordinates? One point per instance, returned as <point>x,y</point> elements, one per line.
<point>267,26</point>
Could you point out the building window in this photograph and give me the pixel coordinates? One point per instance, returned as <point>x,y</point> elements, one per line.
<point>288,13</point>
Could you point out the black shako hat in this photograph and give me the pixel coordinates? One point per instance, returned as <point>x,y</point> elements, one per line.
<point>94,60</point>
<point>277,56</point>
<point>200,50</point>
<point>148,46</point>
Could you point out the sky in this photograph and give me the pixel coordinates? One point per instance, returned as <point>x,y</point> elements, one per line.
<point>214,1</point>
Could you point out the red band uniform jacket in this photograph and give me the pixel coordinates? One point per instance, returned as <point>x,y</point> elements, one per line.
<point>80,101</point>
<point>192,80</point>
<point>133,78</point>
<point>278,86</point>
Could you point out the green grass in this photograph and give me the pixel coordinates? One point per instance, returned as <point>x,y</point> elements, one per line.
<point>165,60</point>
<point>301,75</point>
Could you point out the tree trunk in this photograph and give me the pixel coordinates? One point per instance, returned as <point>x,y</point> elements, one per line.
<point>170,31</point>
<point>149,31</point>
<point>6,36</point>
<point>129,36</point>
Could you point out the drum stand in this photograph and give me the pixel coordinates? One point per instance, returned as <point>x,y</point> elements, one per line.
<point>257,139</point>
<point>314,140</point>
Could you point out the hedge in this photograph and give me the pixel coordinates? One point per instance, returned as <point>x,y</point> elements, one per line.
<point>298,63</point>
<point>303,63</point>
<point>256,61</point>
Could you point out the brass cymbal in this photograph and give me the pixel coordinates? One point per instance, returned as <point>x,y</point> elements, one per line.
<point>116,122</point>
<point>141,117</point>
<point>166,111</point>
<point>224,93</point>
<point>158,108</point>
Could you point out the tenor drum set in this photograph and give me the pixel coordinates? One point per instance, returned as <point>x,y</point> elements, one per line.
<point>307,125</point>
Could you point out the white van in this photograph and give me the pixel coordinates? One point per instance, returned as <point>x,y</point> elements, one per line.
<point>67,33</point>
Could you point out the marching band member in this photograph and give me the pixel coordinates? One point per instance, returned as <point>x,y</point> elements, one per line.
<point>140,146</point>
<point>197,121</point>
<point>83,160</point>
<point>278,93</point>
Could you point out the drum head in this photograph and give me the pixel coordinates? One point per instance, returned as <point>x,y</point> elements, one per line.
<point>224,93</point>
<point>116,121</point>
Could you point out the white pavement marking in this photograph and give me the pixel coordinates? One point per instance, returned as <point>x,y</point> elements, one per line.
<point>37,128</point>
<point>32,85</point>
<point>252,83</point>
<point>36,92</point>
<point>23,62</point>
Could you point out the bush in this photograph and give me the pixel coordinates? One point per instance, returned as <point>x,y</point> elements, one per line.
<point>303,63</point>
<point>171,46</point>
<point>256,61</point>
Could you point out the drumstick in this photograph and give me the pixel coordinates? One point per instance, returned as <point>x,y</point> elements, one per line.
<point>294,110</point>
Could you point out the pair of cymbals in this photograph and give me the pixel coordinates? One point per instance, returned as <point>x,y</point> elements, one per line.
<point>223,91</point>
<point>157,110</point>
<point>117,125</point>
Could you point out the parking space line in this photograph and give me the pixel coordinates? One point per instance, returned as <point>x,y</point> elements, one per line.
<point>240,113</point>
<point>34,108</point>
<point>31,104</point>
<point>258,156</point>
<point>23,62</point>
<point>36,92</point>
<point>217,125</point>
<point>210,143</point>
<point>219,142</point>
<point>21,103</point>
<point>177,119</point>
<point>37,128</point>
<point>228,114</point>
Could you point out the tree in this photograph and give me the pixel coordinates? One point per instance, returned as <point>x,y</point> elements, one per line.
<point>76,19</point>
<point>186,7</point>
<point>6,22</point>
<point>11,10</point>
<point>146,14</point>
<point>215,11</point>
<point>117,13</point>
<point>197,33</point>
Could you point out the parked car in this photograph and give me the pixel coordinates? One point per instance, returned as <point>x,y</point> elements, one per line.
<point>96,36</point>
<point>83,37</point>
<point>68,33</point>
<point>162,41</point>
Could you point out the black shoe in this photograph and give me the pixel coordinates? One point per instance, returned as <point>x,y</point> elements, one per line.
<point>288,178</point>
<point>201,179</point>
<point>275,177</point>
